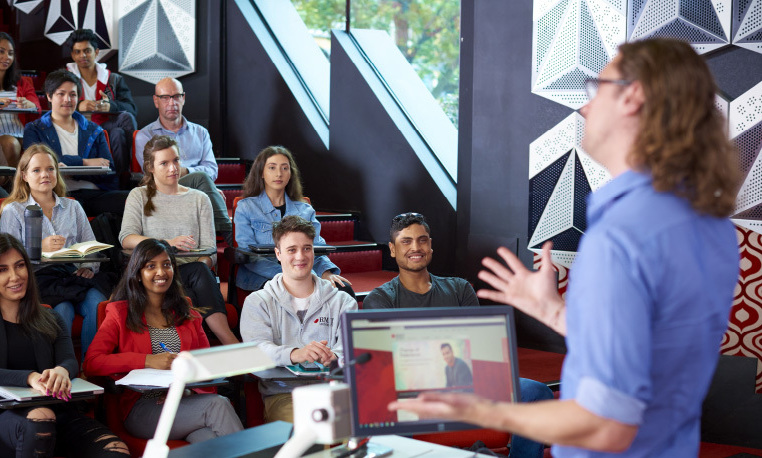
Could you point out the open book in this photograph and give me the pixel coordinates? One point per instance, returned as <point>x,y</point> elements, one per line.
<point>78,250</point>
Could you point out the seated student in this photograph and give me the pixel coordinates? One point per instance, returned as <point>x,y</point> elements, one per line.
<point>272,191</point>
<point>108,89</point>
<point>198,167</point>
<point>410,246</point>
<point>14,89</point>
<point>76,141</point>
<point>295,317</point>
<point>36,352</point>
<point>151,309</point>
<point>162,208</point>
<point>64,223</point>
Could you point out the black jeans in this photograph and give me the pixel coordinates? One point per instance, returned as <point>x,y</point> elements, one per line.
<point>71,434</point>
<point>201,286</point>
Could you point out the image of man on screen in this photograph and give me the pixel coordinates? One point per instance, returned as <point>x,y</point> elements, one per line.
<point>456,371</point>
<point>653,281</point>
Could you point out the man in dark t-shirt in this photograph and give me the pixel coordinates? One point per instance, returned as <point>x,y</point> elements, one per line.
<point>410,246</point>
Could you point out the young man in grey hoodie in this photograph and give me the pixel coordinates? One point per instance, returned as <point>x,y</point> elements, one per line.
<point>294,318</point>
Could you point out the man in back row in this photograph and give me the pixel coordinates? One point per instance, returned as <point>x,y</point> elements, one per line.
<point>198,167</point>
<point>410,246</point>
<point>103,91</point>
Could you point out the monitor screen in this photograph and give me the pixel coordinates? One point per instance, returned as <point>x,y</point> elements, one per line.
<point>401,353</point>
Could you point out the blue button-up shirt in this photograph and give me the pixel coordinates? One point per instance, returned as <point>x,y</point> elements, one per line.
<point>69,220</point>
<point>195,146</point>
<point>649,297</point>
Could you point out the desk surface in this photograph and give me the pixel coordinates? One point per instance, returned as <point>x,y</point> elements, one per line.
<point>73,170</point>
<point>85,259</point>
<point>281,373</point>
<point>265,441</point>
<point>183,254</point>
<point>262,441</point>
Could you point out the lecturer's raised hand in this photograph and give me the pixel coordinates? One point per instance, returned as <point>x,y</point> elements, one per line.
<point>534,293</point>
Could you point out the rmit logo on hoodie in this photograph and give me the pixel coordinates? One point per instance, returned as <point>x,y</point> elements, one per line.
<point>324,321</point>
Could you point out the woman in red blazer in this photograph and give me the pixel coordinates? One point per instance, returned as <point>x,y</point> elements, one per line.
<point>147,325</point>
<point>17,92</point>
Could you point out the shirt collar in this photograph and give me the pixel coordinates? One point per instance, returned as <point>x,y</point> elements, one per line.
<point>31,201</point>
<point>600,200</point>
<point>265,203</point>
<point>160,128</point>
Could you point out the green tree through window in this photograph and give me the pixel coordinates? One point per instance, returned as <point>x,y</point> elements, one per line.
<point>427,32</point>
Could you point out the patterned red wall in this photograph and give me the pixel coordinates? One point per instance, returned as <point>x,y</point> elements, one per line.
<point>744,334</point>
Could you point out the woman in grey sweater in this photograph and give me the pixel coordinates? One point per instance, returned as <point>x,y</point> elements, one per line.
<point>165,210</point>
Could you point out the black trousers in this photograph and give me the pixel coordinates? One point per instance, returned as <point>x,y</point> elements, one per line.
<point>72,434</point>
<point>201,286</point>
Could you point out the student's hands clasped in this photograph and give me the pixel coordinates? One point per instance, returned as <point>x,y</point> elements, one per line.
<point>161,361</point>
<point>52,382</point>
<point>313,352</point>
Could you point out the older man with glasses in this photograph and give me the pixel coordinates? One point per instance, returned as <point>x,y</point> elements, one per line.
<point>198,166</point>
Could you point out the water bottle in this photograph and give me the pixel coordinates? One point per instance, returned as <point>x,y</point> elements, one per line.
<point>33,232</point>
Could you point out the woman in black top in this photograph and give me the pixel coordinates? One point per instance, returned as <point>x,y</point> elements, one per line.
<point>36,353</point>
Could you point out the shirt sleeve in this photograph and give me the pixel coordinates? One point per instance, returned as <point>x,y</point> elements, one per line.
<point>376,300</point>
<point>143,136</point>
<point>132,220</point>
<point>123,100</point>
<point>468,296</point>
<point>322,263</point>
<point>207,237</point>
<point>12,222</point>
<point>256,326</point>
<point>347,304</point>
<point>207,163</point>
<point>609,316</point>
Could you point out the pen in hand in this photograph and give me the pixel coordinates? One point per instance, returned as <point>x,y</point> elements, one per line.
<point>165,348</point>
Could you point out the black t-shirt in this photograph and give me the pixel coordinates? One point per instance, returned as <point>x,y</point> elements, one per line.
<point>444,292</point>
<point>282,209</point>
<point>19,348</point>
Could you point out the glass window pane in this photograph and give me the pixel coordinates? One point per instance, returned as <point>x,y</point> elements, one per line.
<point>427,33</point>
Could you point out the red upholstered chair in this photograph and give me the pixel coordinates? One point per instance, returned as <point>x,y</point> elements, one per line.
<point>114,420</point>
<point>134,164</point>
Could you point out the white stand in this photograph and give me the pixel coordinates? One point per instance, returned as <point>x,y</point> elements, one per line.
<point>322,415</point>
<point>198,365</point>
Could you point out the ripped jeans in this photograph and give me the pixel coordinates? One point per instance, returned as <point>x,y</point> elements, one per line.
<point>71,434</point>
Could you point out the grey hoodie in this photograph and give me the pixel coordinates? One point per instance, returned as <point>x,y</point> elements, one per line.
<point>268,319</point>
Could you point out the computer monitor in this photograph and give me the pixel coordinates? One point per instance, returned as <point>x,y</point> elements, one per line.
<point>460,349</point>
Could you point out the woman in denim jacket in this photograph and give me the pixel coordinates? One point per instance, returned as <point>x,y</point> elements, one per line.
<point>273,190</point>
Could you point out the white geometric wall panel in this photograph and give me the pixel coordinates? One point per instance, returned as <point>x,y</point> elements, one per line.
<point>158,38</point>
<point>745,128</point>
<point>573,40</point>
<point>27,6</point>
<point>98,16</point>
<point>560,178</point>
<point>703,23</point>
<point>61,20</point>
<point>747,24</point>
